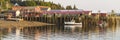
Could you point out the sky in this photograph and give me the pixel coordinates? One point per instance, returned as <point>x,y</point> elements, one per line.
<point>94,5</point>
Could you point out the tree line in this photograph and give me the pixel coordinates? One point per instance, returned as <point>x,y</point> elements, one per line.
<point>6,4</point>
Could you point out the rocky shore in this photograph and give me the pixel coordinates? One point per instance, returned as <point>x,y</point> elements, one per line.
<point>7,24</point>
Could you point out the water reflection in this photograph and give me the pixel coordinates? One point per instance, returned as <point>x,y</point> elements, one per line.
<point>66,32</point>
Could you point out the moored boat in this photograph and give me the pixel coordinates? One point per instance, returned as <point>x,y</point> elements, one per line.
<point>102,23</point>
<point>72,23</point>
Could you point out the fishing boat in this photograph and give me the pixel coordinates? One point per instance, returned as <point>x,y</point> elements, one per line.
<point>102,23</point>
<point>72,23</point>
<point>72,26</point>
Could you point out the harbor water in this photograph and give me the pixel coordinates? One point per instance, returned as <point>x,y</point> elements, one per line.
<point>61,32</point>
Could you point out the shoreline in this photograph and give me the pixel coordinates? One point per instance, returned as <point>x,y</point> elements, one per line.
<point>8,24</point>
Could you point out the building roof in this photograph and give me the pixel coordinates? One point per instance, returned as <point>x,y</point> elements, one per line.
<point>66,12</point>
<point>16,4</point>
<point>29,7</point>
<point>9,11</point>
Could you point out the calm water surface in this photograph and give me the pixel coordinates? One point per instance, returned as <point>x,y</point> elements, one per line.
<point>66,32</point>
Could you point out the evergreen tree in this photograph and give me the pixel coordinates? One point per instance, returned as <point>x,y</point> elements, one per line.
<point>68,8</point>
<point>112,13</point>
<point>30,3</point>
<point>1,2</point>
<point>33,3</point>
<point>75,8</point>
<point>43,0</point>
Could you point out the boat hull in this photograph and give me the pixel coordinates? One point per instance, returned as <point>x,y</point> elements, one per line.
<point>72,23</point>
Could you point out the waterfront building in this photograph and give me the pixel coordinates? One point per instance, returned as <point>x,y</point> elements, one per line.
<point>31,8</point>
<point>103,14</point>
<point>100,14</point>
<point>11,13</point>
<point>66,12</point>
<point>94,14</point>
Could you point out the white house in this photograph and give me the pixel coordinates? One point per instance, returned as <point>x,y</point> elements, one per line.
<point>17,13</point>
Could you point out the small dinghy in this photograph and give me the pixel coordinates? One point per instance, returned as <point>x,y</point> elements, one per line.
<point>72,23</point>
<point>72,26</point>
<point>102,24</point>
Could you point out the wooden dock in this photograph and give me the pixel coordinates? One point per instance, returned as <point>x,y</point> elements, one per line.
<point>59,20</point>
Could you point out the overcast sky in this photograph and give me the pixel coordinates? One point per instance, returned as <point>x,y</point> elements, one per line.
<point>104,5</point>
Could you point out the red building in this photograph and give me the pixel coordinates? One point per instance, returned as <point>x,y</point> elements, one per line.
<point>67,12</point>
<point>103,14</point>
<point>94,14</point>
<point>31,8</point>
<point>100,14</point>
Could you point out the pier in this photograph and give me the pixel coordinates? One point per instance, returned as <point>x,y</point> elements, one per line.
<point>59,20</point>
<point>58,17</point>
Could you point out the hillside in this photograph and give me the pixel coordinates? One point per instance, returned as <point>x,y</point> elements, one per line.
<point>7,4</point>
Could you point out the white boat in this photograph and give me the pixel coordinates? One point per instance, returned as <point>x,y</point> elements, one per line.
<point>104,24</point>
<point>72,26</point>
<point>72,23</point>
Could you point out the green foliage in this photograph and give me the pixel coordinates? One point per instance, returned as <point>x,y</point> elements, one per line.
<point>75,8</point>
<point>34,3</point>
<point>112,13</point>
<point>5,4</point>
<point>30,3</point>
<point>68,8</point>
